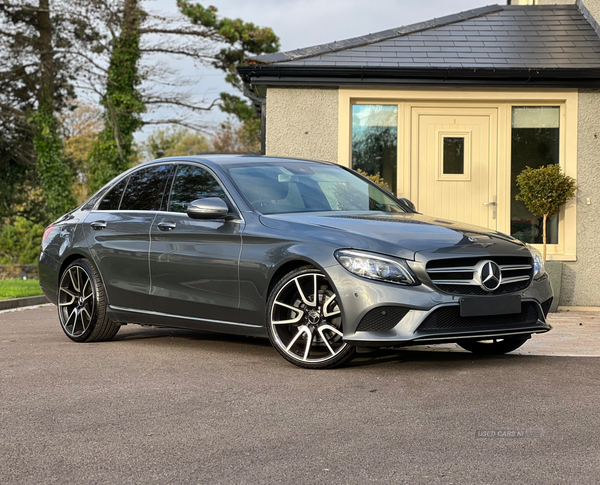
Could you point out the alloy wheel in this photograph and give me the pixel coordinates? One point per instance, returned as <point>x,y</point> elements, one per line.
<point>75,301</point>
<point>306,321</point>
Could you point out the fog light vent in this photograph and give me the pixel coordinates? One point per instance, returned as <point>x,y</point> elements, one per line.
<point>382,319</point>
<point>546,306</point>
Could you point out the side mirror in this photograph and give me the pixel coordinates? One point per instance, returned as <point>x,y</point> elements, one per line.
<point>408,204</point>
<point>209,208</point>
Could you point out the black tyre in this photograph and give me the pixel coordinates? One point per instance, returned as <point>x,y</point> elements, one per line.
<point>304,321</point>
<point>493,346</point>
<point>82,304</point>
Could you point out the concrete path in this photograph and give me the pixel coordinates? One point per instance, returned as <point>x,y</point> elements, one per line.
<point>574,334</point>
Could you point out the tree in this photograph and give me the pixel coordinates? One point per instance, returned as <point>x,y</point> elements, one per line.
<point>80,128</point>
<point>107,48</point>
<point>173,142</point>
<point>240,39</point>
<point>544,191</point>
<point>197,34</point>
<point>20,242</point>
<point>34,82</point>
<point>234,137</point>
<point>122,102</point>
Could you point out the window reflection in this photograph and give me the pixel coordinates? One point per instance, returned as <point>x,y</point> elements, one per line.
<point>535,142</point>
<point>374,140</point>
<point>145,189</point>
<point>111,201</point>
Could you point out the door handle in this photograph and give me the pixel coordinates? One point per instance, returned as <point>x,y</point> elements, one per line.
<point>98,225</point>
<point>494,205</point>
<point>166,226</point>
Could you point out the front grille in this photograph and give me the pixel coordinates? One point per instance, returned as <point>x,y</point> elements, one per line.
<point>456,276</point>
<point>382,319</point>
<point>448,318</point>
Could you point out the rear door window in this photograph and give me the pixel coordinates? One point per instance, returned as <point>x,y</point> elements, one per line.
<point>145,189</point>
<point>191,183</point>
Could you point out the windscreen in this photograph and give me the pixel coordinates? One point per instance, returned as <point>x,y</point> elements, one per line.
<point>273,188</point>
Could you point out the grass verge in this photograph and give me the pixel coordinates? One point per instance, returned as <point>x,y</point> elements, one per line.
<point>19,288</point>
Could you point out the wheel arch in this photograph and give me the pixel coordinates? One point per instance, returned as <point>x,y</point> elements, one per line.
<point>67,261</point>
<point>284,269</point>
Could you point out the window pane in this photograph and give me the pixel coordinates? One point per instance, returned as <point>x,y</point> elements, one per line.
<point>110,202</point>
<point>454,155</point>
<point>375,140</point>
<point>192,183</point>
<point>535,142</point>
<point>145,189</point>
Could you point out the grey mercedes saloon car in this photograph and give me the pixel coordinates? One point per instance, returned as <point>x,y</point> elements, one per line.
<point>309,254</point>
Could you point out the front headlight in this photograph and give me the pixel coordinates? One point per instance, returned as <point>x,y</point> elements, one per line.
<point>538,262</point>
<point>376,267</point>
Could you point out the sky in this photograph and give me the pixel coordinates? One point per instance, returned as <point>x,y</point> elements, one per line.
<point>304,23</point>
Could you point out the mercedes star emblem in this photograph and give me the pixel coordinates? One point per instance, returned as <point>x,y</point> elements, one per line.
<point>489,275</point>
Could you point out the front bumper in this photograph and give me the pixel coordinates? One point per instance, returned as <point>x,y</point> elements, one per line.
<point>423,304</point>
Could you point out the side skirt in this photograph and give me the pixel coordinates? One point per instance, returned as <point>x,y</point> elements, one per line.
<point>130,315</point>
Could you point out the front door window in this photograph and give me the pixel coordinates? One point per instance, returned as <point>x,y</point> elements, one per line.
<point>454,155</point>
<point>192,183</point>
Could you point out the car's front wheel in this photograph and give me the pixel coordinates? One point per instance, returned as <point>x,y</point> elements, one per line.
<point>304,321</point>
<point>82,304</point>
<point>494,346</point>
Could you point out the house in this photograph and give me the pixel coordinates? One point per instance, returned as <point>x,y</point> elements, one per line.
<point>450,110</point>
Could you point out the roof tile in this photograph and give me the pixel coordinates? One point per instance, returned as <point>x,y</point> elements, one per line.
<point>556,36</point>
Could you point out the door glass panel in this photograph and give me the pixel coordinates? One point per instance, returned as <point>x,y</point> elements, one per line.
<point>454,155</point>
<point>192,183</point>
<point>534,142</point>
<point>145,189</point>
<point>111,201</point>
<point>375,140</point>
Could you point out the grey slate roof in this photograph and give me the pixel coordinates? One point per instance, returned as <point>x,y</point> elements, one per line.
<point>498,36</point>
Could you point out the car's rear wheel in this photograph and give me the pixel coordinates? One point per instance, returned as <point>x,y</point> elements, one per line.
<point>493,346</point>
<point>304,321</point>
<point>82,304</point>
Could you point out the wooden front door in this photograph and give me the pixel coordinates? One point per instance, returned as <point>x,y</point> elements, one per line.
<point>454,163</point>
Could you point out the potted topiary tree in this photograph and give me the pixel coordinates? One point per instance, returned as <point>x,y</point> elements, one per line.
<point>544,191</point>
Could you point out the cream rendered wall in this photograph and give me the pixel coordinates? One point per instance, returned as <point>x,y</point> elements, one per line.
<point>578,287</point>
<point>593,6</point>
<point>303,123</point>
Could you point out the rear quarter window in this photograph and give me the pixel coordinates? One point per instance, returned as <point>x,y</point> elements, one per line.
<point>111,200</point>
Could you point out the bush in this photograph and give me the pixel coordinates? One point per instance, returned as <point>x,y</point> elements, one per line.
<point>377,178</point>
<point>544,191</point>
<point>20,242</point>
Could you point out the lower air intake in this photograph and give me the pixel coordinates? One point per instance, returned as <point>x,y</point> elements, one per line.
<point>382,319</point>
<point>448,318</point>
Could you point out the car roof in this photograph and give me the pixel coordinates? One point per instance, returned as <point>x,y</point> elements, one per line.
<point>229,159</point>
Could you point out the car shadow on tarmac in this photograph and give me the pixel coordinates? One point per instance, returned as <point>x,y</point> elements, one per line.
<point>236,344</point>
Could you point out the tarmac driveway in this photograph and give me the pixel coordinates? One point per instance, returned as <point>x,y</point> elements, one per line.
<point>162,406</point>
